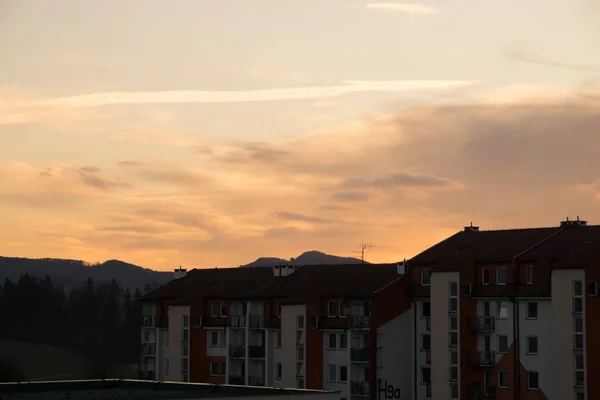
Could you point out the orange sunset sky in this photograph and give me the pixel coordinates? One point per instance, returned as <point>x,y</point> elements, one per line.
<point>209,133</point>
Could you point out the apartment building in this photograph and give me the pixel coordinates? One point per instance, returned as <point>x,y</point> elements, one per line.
<point>481,315</point>
<point>332,327</point>
<point>508,313</point>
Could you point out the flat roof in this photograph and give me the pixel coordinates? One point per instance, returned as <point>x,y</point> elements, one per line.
<point>96,389</point>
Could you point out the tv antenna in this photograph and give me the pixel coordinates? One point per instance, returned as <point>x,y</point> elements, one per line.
<point>363,247</point>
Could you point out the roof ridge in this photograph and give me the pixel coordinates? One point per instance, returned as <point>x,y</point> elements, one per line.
<point>438,244</point>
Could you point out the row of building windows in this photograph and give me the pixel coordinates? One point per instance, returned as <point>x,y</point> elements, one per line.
<point>453,340</point>
<point>578,340</point>
<point>486,276</point>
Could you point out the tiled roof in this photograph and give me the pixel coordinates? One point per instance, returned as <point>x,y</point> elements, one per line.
<point>482,246</point>
<point>306,282</point>
<point>352,280</point>
<point>576,243</point>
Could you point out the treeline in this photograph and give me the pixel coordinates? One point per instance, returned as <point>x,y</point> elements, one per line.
<point>101,321</point>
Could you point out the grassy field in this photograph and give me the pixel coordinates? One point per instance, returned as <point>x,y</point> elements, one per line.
<point>41,362</point>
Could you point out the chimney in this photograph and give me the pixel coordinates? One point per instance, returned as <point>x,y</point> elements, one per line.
<point>471,228</point>
<point>287,270</point>
<point>566,223</point>
<point>401,267</point>
<point>180,273</point>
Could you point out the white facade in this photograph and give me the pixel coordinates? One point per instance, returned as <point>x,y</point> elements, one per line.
<point>395,358</point>
<point>177,360</point>
<point>567,340</point>
<point>293,346</point>
<point>444,299</point>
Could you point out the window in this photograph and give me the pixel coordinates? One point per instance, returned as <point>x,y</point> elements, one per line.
<point>278,371</point>
<point>300,383</point>
<point>197,322</point>
<point>184,321</point>
<point>425,342</point>
<point>214,368</point>
<point>579,379</point>
<point>222,339</point>
<point>453,289</point>
<point>332,309</point>
<point>343,309</point>
<point>502,310</point>
<point>485,276</point>
<point>532,310</point>
<point>579,361</point>
<point>343,341</point>
<point>503,378</point>
<point>223,368</point>
<point>278,340</point>
<point>343,375</point>
<point>533,380</point>
<point>577,288</point>
<point>454,391</point>
<point>300,322</point>
<point>166,366</point>
<point>529,274</point>
<point>184,350</point>
<point>184,377</point>
<point>501,276</point>
<point>454,357</point>
<point>579,396</point>
<point>453,323</point>
<point>214,339</point>
<point>332,341</point>
<point>184,364</point>
<point>502,344</point>
<point>453,373</point>
<point>331,373</point>
<point>532,345</point>
<point>577,305</point>
<point>214,309</point>
<point>425,277</point>
<point>223,309</point>
<point>426,310</point>
<point>453,339</point>
<point>279,309</point>
<point>425,375</point>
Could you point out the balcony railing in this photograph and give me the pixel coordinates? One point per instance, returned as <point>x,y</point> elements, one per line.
<point>147,375</point>
<point>236,321</point>
<point>256,351</point>
<point>483,358</point>
<point>480,392</point>
<point>358,388</point>
<point>482,324</point>
<point>258,322</point>
<point>237,380</point>
<point>359,321</point>
<point>149,321</point>
<point>360,355</point>
<point>256,381</point>
<point>149,350</point>
<point>237,351</point>
<point>427,387</point>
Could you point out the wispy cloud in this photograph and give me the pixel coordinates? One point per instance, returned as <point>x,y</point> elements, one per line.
<point>293,93</point>
<point>410,8</point>
<point>290,216</point>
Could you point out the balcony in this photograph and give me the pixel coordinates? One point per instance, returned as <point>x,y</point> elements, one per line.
<point>147,375</point>
<point>360,355</point>
<point>256,351</point>
<point>149,350</point>
<point>427,387</point>
<point>236,321</point>
<point>483,358</point>
<point>237,380</point>
<point>359,322</point>
<point>149,321</point>
<point>361,389</point>
<point>256,381</point>
<point>237,351</point>
<point>482,324</point>
<point>480,392</point>
<point>258,322</point>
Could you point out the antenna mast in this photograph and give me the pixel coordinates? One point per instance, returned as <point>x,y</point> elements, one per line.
<point>363,247</point>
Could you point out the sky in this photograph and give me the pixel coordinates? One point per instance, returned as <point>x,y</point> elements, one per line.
<point>210,133</point>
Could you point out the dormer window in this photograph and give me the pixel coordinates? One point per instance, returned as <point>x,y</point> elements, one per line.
<point>501,276</point>
<point>425,277</point>
<point>529,275</point>
<point>485,276</point>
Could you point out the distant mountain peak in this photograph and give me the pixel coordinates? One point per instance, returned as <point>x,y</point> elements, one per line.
<point>311,257</point>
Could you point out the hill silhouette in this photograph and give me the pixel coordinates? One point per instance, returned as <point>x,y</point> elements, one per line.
<point>312,257</point>
<point>73,273</point>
